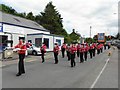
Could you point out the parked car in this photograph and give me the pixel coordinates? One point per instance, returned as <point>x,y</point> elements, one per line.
<point>33,50</point>
<point>118,46</point>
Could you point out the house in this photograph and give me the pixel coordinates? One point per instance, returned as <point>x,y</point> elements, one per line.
<point>13,28</point>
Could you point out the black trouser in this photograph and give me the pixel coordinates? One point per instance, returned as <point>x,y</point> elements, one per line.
<point>98,51</point>
<point>63,52</point>
<point>101,50</point>
<point>73,60</point>
<point>42,56</point>
<point>81,57</point>
<point>94,52</point>
<point>108,46</point>
<point>104,47</point>
<point>85,55</point>
<point>56,57</point>
<point>91,52</point>
<point>78,53</point>
<point>68,55</point>
<point>21,64</point>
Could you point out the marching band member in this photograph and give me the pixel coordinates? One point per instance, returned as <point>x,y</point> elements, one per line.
<point>73,50</point>
<point>81,53</point>
<point>78,48</point>
<point>56,52</point>
<point>63,49</point>
<point>68,51</point>
<point>21,51</point>
<point>43,51</point>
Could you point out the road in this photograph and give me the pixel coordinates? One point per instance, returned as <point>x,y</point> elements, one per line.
<point>50,75</point>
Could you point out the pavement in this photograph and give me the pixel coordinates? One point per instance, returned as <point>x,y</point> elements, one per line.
<point>99,72</point>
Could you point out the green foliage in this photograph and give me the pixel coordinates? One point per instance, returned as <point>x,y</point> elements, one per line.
<point>74,36</point>
<point>7,9</point>
<point>10,10</point>
<point>89,40</point>
<point>51,20</point>
<point>30,16</point>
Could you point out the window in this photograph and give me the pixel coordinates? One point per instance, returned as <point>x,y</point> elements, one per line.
<point>58,41</point>
<point>23,38</point>
<point>30,41</point>
<point>38,42</point>
<point>46,41</point>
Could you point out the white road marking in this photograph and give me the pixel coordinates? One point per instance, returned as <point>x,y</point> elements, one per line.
<point>92,86</point>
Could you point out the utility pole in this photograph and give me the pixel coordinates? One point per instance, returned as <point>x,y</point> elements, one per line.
<point>90,31</point>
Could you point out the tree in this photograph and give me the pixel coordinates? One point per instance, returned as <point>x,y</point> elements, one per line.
<point>10,10</point>
<point>74,36</point>
<point>51,20</point>
<point>7,9</point>
<point>89,40</point>
<point>30,16</point>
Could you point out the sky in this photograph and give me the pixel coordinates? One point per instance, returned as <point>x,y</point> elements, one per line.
<point>101,15</point>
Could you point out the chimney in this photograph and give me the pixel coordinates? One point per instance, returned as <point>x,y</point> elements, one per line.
<point>73,30</point>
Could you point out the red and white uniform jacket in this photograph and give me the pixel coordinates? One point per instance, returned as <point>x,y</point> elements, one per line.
<point>73,49</point>
<point>43,48</point>
<point>98,46</point>
<point>56,49</point>
<point>86,48</point>
<point>22,48</point>
<point>82,50</point>
<point>78,47</point>
<point>68,48</point>
<point>63,46</point>
<point>92,47</point>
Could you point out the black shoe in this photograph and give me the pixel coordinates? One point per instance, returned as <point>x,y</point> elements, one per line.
<point>42,61</point>
<point>18,74</point>
<point>71,66</point>
<point>23,72</point>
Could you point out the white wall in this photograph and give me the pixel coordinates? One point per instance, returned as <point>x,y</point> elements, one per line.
<point>50,42</point>
<point>19,32</point>
<point>32,37</point>
<point>60,38</point>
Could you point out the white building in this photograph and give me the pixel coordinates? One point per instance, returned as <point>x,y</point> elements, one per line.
<point>13,28</point>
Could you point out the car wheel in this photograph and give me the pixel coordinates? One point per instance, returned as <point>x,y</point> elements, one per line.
<point>34,53</point>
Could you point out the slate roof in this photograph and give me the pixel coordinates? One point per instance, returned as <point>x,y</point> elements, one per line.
<point>18,21</point>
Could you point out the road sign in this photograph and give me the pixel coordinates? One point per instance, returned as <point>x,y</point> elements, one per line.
<point>101,37</point>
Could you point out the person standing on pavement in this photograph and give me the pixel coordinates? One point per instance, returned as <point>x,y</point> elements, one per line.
<point>94,49</point>
<point>56,52</point>
<point>21,47</point>
<point>98,49</point>
<point>78,48</point>
<point>86,51</point>
<point>43,51</point>
<point>63,49</point>
<point>68,51</point>
<point>109,45</point>
<point>81,50</point>
<point>73,50</point>
<point>91,51</point>
<point>101,48</point>
<point>105,46</point>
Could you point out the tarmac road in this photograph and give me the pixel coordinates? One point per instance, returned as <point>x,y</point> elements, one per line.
<point>95,73</point>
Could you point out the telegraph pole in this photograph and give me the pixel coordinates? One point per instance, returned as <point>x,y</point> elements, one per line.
<point>90,31</point>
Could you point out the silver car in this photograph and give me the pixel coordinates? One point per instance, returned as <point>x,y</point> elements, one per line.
<point>33,50</point>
